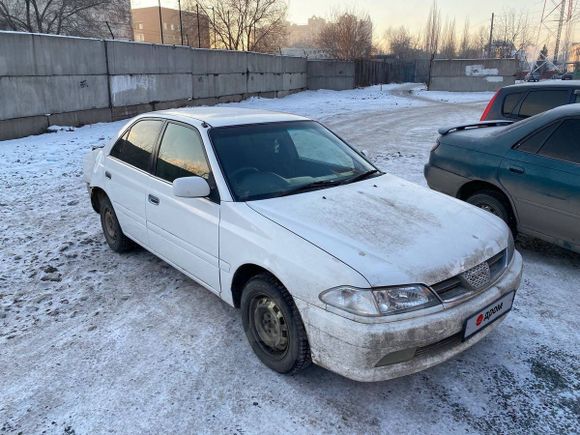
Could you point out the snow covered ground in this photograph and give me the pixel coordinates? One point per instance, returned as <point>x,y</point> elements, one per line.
<point>95,342</point>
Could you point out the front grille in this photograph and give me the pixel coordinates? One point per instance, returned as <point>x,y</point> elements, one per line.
<point>473,280</point>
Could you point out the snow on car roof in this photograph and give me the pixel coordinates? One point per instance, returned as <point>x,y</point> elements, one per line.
<point>228,116</point>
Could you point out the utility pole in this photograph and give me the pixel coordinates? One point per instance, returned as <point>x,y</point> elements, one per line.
<point>559,31</point>
<point>198,32</point>
<point>160,22</point>
<point>180,20</point>
<point>490,36</point>
<point>214,30</point>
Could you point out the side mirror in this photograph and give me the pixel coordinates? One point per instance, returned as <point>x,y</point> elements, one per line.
<point>191,187</point>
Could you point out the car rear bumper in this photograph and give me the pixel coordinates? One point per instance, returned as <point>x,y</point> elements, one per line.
<point>443,181</point>
<point>355,350</point>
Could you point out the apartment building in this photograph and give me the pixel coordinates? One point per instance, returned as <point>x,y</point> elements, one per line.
<point>163,25</point>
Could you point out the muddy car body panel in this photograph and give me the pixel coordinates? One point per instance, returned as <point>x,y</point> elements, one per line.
<point>533,167</point>
<point>376,234</point>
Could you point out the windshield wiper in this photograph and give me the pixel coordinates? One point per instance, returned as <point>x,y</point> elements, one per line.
<point>362,176</point>
<point>311,186</point>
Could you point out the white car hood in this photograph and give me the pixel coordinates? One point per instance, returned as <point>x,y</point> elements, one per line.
<point>390,230</point>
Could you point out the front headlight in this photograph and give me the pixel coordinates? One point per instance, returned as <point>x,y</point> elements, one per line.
<point>396,300</point>
<point>380,302</point>
<point>353,300</point>
<point>511,248</point>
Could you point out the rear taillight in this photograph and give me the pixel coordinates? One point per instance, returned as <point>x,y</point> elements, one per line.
<point>436,145</point>
<point>488,108</point>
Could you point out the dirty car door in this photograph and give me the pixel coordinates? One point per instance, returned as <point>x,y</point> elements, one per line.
<point>543,176</point>
<point>127,174</point>
<point>184,231</point>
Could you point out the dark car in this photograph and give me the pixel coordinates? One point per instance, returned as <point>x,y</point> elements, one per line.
<point>527,173</point>
<point>517,102</point>
<point>568,76</point>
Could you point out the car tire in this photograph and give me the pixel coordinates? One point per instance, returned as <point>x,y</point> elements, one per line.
<point>273,325</point>
<point>114,236</point>
<point>491,202</point>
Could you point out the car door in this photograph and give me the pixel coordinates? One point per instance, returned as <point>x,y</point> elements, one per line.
<point>184,231</point>
<point>127,173</point>
<point>542,174</point>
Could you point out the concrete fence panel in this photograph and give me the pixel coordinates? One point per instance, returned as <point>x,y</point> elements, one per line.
<point>465,75</point>
<point>127,90</point>
<point>139,58</point>
<point>59,55</point>
<point>43,95</point>
<point>16,54</point>
<point>331,74</point>
<point>47,80</point>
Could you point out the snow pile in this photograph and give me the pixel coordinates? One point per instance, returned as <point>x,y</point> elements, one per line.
<point>453,97</point>
<point>325,103</point>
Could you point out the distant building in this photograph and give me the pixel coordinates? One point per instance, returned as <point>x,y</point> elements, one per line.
<point>147,27</point>
<point>305,35</point>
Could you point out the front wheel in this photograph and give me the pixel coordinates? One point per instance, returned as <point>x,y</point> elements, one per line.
<point>273,325</point>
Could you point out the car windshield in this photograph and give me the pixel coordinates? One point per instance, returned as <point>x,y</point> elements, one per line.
<point>269,160</point>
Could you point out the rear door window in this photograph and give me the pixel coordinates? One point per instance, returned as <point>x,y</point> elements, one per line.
<point>533,143</point>
<point>136,146</point>
<point>510,104</point>
<point>564,144</point>
<point>540,101</point>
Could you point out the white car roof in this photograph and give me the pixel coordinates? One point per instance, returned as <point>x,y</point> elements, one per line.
<point>226,116</point>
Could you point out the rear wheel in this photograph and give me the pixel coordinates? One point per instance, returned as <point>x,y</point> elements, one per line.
<point>114,236</point>
<point>493,203</point>
<point>273,325</point>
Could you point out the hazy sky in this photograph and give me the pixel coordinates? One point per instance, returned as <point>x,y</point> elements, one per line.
<point>410,13</point>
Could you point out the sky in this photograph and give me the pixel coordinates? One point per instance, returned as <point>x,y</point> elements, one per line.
<point>409,13</point>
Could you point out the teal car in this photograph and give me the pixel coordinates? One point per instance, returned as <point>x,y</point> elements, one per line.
<point>527,173</point>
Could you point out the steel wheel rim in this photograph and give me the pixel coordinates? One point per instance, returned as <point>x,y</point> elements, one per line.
<point>270,327</point>
<point>110,224</point>
<point>488,208</point>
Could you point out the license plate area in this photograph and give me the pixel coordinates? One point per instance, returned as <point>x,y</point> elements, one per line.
<point>486,316</point>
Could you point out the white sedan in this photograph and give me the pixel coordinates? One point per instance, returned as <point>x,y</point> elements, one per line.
<point>330,260</point>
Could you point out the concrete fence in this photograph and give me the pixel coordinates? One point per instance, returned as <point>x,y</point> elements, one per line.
<point>52,80</point>
<point>331,74</point>
<point>475,75</point>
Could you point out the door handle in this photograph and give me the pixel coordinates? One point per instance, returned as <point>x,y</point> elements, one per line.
<point>517,169</point>
<point>153,200</point>
<point>107,175</point>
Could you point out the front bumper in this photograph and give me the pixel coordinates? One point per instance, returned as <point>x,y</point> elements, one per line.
<point>353,349</point>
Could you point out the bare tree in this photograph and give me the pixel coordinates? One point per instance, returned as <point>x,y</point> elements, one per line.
<point>465,46</point>
<point>246,25</point>
<point>449,42</point>
<point>64,17</point>
<point>348,35</point>
<point>433,30</point>
<point>482,41</point>
<point>402,44</point>
<point>512,33</point>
